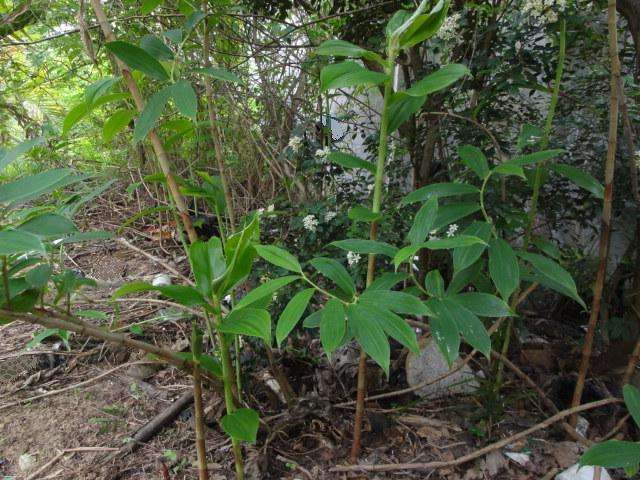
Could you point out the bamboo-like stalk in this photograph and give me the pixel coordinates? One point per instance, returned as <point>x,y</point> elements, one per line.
<point>605,229</point>
<point>371,266</point>
<point>158,147</point>
<point>201,448</point>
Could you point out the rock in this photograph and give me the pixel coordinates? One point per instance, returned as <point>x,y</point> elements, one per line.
<point>429,365</point>
<point>26,462</point>
<point>161,280</point>
<point>584,473</point>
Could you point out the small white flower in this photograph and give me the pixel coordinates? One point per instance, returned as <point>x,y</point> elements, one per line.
<point>295,143</point>
<point>322,153</point>
<point>432,235</point>
<point>260,211</point>
<point>264,278</point>
<point>271,208</point>
<point>370,187</point>
<point>353,258</point>
<point>414,264</point>
<point>449,27</point>
<point>227,299</point>
<point>274,297</point>
<point>544,11</point>
<point>328,216</point>
<point>453,228</point>
<point>310,223</point>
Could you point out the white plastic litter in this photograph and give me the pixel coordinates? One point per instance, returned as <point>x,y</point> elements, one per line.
<point>161,280</point>
<point>26,462</point>
<point>584,473</point>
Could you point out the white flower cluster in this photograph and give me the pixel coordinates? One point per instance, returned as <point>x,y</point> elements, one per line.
<point>328,216</point>
<point>353,258</point>
<point>453,228</point>
<point>449,27</point>
<point>322,153</point>
<point>310,222</point>
<point>295,143</point>
<point>544,11</point>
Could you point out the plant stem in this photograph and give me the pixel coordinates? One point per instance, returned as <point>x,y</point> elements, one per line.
<point>373,235</point>
<point>5,281</point>
<point>228,382</point>
<point>201,449</point>
<point>605,229</point>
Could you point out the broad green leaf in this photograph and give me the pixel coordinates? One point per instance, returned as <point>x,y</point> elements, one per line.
<point>347,160</point>
<point>387,281</point>
<point>90,236</point>
<point>39,276</point>
<point>149,5</point>
<point>183,294</point>
<point>242,424</point>
<point>174,35</point>
<point>219,74</point>
<point>632,401</point>
<point>138,59</point>
<point>392,324</point>
<point>483,304</point>
<point>398,302</point>
<point>313,320</point>
<point>9,156</point>
<point>335,271</point>
<point>447,337</point>
<point>466,256</point>
<point>468,324</point>
<point>457,241</point>
<point>16,241</point>
<point>32,186</point>
<point>151,113</point>
<point>279,257</point>
<point>423,26</point>
<point>39,337</point>
<point>580,178</point>
<point>473,158</point>
<point>438,80</point>
<point>98,88</point>
<point>211,364</point>
<point>348,74</point>
<point>551,269</point>
<point>503,267</point>
<point>332,325</point>
<point>267,289</point>
<point>252,322</point>
<point>292,314</point>
<point>369,335</point>
<point>92,314</point>
<point>406,253</point>
<point>74,116</point>
<point>434,284</point>
<point>155,47</point>
<point>613,454</point>
<point>207,263</point>
<point>365,246</point>
<point>362,214</point>
<point>510,169</point>
<point>423,221</point>
<point>116,123</point>
<point>396,20</point>
<point>341,48</point>
<point>49,225</point>
<point>401,107</point>
<point>448,214</point>
<point>439,190</point>
<point>529,135</point>
<point>549,248</point>
<point>464,277</point>
<point>536,157</point>
<point>185,99</point>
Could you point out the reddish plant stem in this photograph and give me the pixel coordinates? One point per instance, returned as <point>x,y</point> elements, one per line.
<point>605,229</point>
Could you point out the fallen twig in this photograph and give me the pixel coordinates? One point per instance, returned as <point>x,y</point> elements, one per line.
<point>157,260</point>
<point>478,453</point>
<point>60,455</point>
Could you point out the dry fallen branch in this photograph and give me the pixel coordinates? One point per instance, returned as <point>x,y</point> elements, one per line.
<point>67,451</point>
<point>478,453</point>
